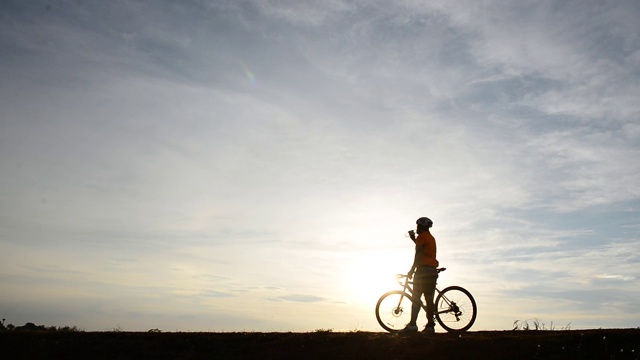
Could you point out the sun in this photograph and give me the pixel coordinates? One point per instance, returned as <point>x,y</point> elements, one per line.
<point>372,273</point>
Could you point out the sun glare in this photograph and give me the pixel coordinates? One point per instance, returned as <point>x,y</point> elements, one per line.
<point>372,274</point>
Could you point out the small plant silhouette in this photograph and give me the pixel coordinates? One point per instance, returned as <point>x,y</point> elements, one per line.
<point>323,331</point>
<point>536,324</point>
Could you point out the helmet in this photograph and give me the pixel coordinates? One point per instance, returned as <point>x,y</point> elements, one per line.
<point>424,222</point>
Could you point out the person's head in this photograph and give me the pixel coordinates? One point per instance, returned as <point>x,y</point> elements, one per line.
<point>423,224</point>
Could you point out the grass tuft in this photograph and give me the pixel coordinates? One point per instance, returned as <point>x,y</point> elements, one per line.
<point>535,324</point>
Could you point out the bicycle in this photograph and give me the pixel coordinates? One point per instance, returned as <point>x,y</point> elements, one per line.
<point>456,309</point>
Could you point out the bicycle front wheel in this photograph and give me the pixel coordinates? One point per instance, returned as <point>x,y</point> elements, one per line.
<point>456,309</point>
<point>393,310</point>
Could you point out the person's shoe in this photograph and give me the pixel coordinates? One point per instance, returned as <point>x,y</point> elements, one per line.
<point>429,330</point>
<point>409,329</point>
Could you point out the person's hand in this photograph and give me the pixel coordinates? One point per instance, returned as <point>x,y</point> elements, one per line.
<point>412,235</point>
<point>410,274</point>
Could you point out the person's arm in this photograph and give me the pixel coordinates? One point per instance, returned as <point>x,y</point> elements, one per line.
<point>416,257</point>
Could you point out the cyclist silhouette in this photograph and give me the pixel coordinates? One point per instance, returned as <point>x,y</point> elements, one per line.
<point>426,275</point>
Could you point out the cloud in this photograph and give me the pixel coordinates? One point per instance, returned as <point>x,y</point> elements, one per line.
<point>615,277</point>
<point>299,298</point>
<point>310,13</point>
<point>213,150</point>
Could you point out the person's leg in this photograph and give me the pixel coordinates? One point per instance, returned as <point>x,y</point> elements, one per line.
<point>418,290</point>
<point>429,282</point>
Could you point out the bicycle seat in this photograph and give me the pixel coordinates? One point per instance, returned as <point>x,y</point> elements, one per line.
<point>441,269</point>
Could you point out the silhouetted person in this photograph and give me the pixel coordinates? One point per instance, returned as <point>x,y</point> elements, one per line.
<point>424,280</point>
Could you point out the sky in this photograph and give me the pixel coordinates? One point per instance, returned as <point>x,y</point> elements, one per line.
<point>254,165</point>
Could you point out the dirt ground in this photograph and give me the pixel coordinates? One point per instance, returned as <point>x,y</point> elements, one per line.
<point>566,344</point>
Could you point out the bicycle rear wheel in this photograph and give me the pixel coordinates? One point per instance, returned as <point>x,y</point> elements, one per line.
<point>393,310</point>
<point>456,309</point>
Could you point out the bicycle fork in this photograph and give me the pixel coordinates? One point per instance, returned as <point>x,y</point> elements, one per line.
<point>398,309</point>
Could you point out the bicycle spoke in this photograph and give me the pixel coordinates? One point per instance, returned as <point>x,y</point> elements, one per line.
<point>456,309</point>
<point>393,310</point>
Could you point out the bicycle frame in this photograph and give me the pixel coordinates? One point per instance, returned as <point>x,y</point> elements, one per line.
<point>408,288</point>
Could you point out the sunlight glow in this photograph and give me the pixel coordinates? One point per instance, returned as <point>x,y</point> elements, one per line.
<point>372,274</point>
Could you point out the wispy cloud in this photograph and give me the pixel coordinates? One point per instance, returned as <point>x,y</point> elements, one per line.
<point>299,298</point>
<point>236,151</point>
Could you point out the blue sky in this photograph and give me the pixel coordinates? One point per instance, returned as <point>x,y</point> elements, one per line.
<point>254,165</point>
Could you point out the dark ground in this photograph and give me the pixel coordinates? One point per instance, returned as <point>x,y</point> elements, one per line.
<point>535,344</point>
